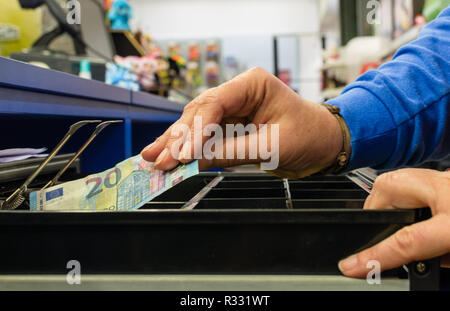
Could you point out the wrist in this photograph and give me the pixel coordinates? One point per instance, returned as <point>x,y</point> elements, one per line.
<point>340,144</point>
<point>319,148</point>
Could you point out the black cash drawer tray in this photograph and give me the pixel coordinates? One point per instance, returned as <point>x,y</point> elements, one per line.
<point>247,224</point>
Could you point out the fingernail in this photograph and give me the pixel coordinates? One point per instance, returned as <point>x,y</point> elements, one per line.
<point>161,156</point>
<point>147,148</point>
<point>348,263</point>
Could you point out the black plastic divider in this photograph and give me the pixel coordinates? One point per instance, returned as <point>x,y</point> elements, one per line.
<point>322,185</point>
<point>328,194</point>
<point>246,193</point>
<point>326,204</point>
<point>162,205</point>
<point>242,203</point>
<point>261,191</point>
<point>258,184</point>
<point>184,191</point>
<point>256,177</point>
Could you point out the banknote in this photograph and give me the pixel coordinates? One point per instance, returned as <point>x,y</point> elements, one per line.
<point>127,186</point>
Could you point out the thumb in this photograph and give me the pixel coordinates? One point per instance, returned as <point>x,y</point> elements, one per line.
<point>420,241</point>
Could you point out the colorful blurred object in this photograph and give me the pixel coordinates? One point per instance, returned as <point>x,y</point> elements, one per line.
<point>147,73</point>
<point>175,54</point>
<point>107,4</point>
<point>285,76</point>
<point>432,8</point>
<point>212,69</point>
<point>369,66</point>
<point>121,74</point>
<point>193,74</point>
<point>13,18</point>
<point>177,66</point>
<point>119,14</point>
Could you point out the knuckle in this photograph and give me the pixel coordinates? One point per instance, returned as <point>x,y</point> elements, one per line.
<point>446,174</point>
<point>258,73</point>
<point>405,240</point>
<point>443,180</point>
<point>209,97</point>
<point>446,179</point>
<point>364,257</point>
<point>190,107</point>
<point>177,130</point>
<point>383,181</point>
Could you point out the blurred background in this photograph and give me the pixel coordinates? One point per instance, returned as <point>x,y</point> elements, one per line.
<point>179,48</point>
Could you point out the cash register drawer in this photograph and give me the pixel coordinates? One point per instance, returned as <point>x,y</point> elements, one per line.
<point>246,224</point>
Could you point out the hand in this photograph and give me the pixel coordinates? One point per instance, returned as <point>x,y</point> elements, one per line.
<point>309,135</point>
<point>405,189</point>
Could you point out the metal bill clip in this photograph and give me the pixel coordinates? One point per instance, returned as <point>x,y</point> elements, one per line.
<point>17,197</point>
<point>97,130</point>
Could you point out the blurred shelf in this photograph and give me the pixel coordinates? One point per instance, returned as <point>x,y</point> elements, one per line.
<point>410,35</point>
<point>333,65</point>
<point>332,92</point>
<point>407,37</point>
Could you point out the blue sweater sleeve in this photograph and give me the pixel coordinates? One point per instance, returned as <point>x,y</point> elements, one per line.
<point>399,114</point>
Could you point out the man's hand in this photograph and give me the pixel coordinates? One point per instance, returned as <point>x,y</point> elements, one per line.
<point>406,189</point>
<point>309,136</point>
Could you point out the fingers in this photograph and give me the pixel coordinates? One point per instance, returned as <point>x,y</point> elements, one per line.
<point>222,148</point>
<point>151,152</point>
<point>245,149</point>
<point>160,151</point>
<point>405,188</point>
<point>236,98</point>
<point>421,241</point>
<point>207,113</point>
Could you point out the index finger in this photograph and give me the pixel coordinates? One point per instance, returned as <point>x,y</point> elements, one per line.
<point>404,189</point>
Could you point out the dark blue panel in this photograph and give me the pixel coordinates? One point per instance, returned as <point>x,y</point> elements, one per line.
<point>145,133</point>
<point>20,101</point>
<point>128,138</point>
<point>154,101</point>
<point>25,76</point>
<point>36,131</point>
<point>142,114</point>
<point>108,149</point>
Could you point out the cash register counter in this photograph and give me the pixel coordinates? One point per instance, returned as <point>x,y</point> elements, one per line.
<point>38,105</point>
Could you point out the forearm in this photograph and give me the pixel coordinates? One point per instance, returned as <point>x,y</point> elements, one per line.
<point>399,114</point>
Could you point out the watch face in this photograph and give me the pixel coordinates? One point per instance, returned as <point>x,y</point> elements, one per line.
<point>8,32</point>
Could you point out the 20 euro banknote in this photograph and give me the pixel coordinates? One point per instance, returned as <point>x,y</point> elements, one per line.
<point>127,186</point>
